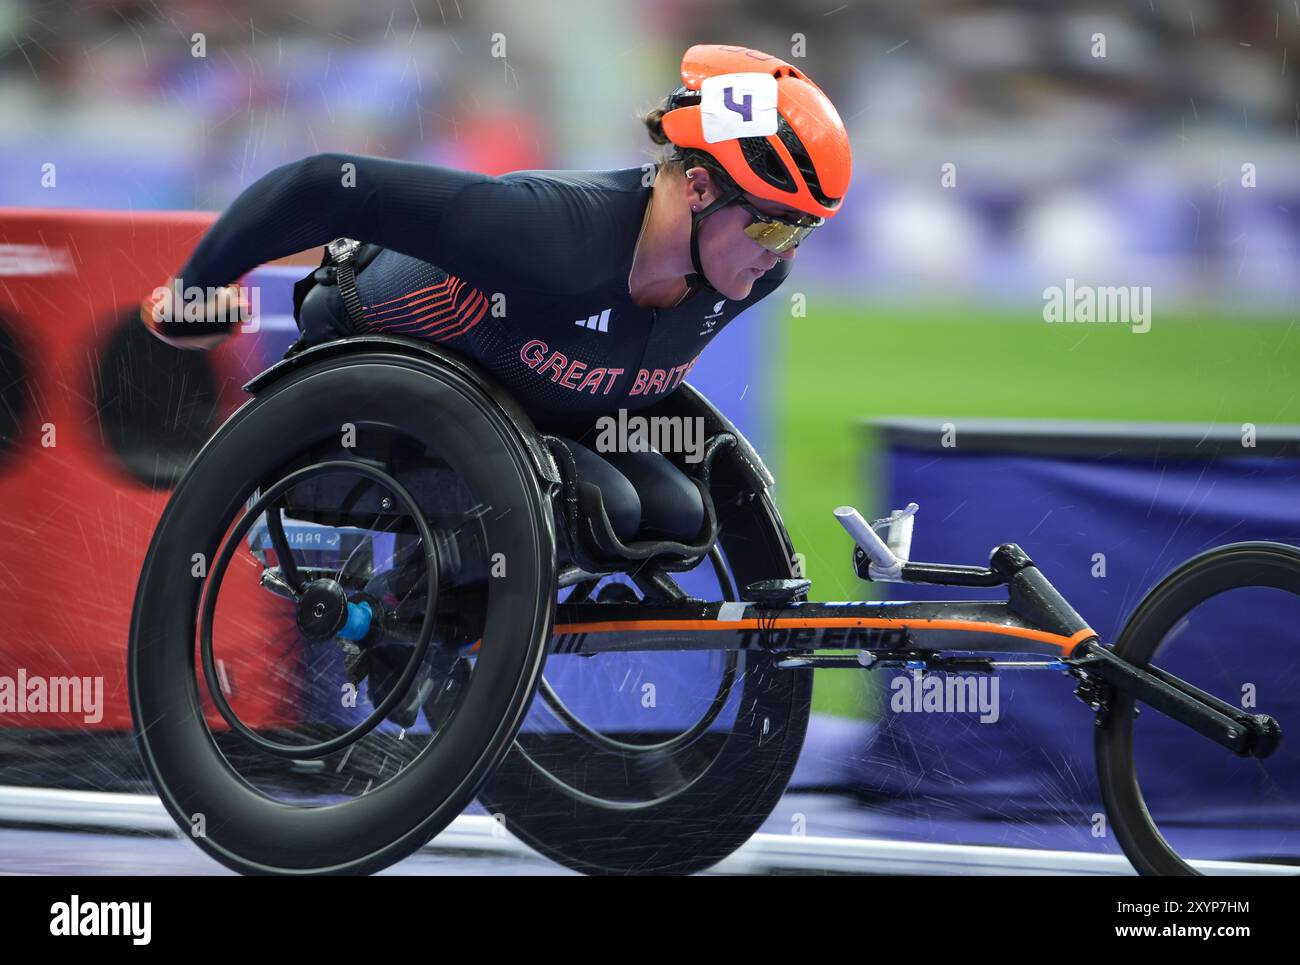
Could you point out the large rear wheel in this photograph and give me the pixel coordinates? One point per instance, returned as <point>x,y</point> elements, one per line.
<point>310,692</point>
<point>660,762</point>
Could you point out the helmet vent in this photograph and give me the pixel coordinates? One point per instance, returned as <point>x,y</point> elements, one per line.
<point>766,163</point>
<point>803,162</point>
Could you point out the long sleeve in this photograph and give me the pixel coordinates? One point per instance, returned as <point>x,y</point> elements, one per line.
<point>533,232</point>
<point>310,202</point>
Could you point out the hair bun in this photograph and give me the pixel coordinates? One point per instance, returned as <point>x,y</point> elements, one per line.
<point>654,123</point>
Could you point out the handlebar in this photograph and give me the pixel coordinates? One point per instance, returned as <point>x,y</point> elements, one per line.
<point>887,559</point>
<point>1029,592</point>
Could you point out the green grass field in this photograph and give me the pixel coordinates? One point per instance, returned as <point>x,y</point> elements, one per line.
<point>846,363</point>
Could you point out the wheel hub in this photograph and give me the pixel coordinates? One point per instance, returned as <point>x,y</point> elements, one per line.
<point>325,612</point>
<point>322,609</point>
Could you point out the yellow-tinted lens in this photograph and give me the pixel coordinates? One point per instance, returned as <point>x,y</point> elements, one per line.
<point>777,236</point>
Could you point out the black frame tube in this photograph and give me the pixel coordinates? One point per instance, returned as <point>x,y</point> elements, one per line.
<point>1246,735</point>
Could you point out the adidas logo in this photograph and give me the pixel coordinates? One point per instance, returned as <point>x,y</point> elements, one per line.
<point>597,323</point>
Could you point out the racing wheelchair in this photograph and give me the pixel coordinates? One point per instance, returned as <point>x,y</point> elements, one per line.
<point>447,614</point>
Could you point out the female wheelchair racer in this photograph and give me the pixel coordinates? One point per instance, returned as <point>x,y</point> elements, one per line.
<point>406,463</point>
<point>428,547</point>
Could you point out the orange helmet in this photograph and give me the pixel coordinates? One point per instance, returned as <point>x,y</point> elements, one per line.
<point>773,130</point>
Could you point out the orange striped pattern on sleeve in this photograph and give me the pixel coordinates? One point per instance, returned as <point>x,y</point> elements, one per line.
<point>438,312</point>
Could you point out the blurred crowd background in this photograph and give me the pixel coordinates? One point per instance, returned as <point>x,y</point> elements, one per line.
<point>1125,168</point>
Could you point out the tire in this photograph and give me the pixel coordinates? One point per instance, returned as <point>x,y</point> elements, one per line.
<point>246,829</point>
<point>560,799</point>
<point>1161,612</point>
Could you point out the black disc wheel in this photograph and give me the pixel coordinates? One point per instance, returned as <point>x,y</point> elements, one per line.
<point>660,762</point>
<point>1228,623</point>
<point>342,617</point>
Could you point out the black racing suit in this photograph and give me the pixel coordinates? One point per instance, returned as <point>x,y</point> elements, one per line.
<point>525,273</point>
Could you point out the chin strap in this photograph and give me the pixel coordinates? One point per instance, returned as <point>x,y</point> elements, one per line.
<point>696,278</point>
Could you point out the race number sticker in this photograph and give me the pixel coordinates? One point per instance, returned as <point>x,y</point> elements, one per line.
<point>738,105</point>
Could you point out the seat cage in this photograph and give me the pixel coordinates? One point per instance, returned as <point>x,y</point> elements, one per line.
<point>592,543</point>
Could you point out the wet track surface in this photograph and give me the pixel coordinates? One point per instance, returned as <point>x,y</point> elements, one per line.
<point>841,836</point>
<point>109,823</point>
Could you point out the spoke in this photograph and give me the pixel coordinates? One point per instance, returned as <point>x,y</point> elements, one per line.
<point>284,555</point>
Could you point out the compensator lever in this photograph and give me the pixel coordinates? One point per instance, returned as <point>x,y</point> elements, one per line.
<point>887,555</point>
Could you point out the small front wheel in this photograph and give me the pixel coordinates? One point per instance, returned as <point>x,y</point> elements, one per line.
<point>1227,622</point>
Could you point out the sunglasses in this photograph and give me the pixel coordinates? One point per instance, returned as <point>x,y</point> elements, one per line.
<point>778,234</point>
